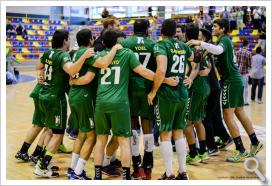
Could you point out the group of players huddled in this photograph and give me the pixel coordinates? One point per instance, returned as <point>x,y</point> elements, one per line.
<point>123,83</point>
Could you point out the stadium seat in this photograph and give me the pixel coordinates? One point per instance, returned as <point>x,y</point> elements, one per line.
<point>19,57</point>
<point>36,44</point>
<point>234,33</point>
<point>41,33</point>
<point>19,38</point>
<point>131,22</point>
<point>8,44</point>
<point>36,27</point>
<point>236,39</point>
<point>25,50</point>
<point>254,33</point>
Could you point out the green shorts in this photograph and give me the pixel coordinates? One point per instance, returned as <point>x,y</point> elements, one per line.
<point>196,109</point>
<point>82,115</point>
<point>55,112</point>
<point>170,115</point>
<point>38,116</point>
<point>117,120</point>
<point>232,95</point>
<point>139,105</point>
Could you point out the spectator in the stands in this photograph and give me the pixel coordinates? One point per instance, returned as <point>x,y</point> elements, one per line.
<point>239,18</point>
<point>257,15</point>
<point>20,30</point>
<point>262,38</point>
<point>10,30</point>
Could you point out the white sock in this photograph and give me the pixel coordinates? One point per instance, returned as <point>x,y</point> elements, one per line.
<point>148,142</point>
<point>107,160</point>
<point>113,157</point>
<point>74,160</point>
<point>196,139</point>
<point>167,153</point>
<point>181,154</point>
<point>80,166</point>
<point>134,143</point>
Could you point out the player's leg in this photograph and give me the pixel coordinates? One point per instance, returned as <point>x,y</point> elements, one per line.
<point>32,133</point>
<point>125,149</point>
<point>56,120</point>
<point>108,168</point>
<point>255,146</point>
<point>201,134</point>
<point>166,116</point>
<point>102,132</point>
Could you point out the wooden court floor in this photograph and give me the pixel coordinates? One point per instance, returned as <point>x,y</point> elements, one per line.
<point>19,108</point>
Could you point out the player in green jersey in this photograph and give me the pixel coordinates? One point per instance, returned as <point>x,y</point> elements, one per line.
<point>54,68</point>
<point>172,57</point>
<point>232,94</point>
<point>112,103</point>
<point>198,95</point>
<point>142,46</point>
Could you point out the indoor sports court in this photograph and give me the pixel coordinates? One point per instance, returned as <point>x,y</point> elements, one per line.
<point>30,32</point>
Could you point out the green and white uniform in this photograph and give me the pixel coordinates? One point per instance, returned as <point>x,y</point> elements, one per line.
<point>233,88</point>
<point>81,98</point>
<point>198,94</point>
<point>139,87</point>
<point>52,95</point>
<point>38,115</point>
<point>112,104</point>
<point>170,110</point>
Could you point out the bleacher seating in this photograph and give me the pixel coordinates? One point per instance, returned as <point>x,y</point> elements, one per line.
<point>40,33</point>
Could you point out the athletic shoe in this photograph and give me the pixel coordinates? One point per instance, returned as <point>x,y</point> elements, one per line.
<point>254,149</point>
<point>226,144</point>
<point>82,176</point>
<point>110,170</point>
<point>156,143</point>
<point>116,163</point>
<point>182,176</point>
<point>237,156</point>
<point>213,152</point>
<point>259,101</point>
<point>192,161</point>
<point>164,177</point>
<point>138,174</point>
<point>72,136</point>
<point>22,156</point>
<point>34,159</point>
<point>204,157</point>
<point>45,173</point>
<point>64,149</point>
<point>52,167</point>
<point>69,172</point>
<point>147,172</point>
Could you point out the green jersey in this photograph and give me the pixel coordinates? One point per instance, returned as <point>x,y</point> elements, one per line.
<point>142,46</point>
<point>200,83</point>
<point>56,79</point>
<point>177,54</point>
<point>226,62</point>
<point>113,80</point>
<point>92,87</point>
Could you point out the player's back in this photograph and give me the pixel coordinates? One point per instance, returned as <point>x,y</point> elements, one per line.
<point>142,46</point>
<point>177,54</point>
<point>56,79</point>
<point>113,80</point>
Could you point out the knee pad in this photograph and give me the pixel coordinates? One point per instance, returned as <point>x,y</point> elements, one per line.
<point>58,131</point>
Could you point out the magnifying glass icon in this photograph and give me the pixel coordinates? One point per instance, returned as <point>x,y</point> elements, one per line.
<point>251,165</point>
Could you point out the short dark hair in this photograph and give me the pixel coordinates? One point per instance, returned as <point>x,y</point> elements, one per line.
<point>169,27</point>
<point>223,23</point>
<point>109,38</point>
<point>245,43</point>
<point>258,50</point>
<point>121,34</point>
<point>141,26</point>
<point>83,37</point>
<point>207,34</point>
<point>182,27</point>
<point>59,37</point>
<point>192,31</point>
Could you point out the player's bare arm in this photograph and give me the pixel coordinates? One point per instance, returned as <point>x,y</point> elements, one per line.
<point>40,72</point>
<point>83,80</point>
<point>206,71</point>
<point>106,60</point>
<point>73,68</point>
<point>158,77</point>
